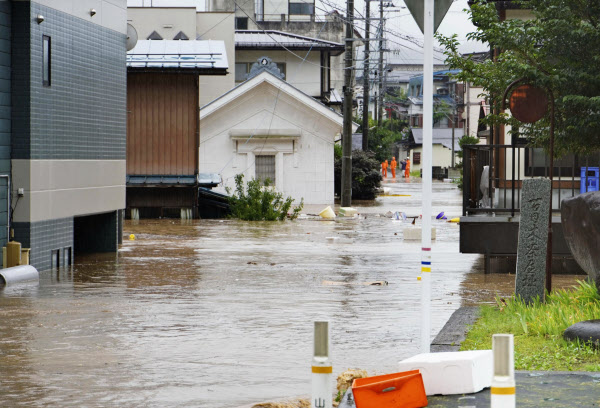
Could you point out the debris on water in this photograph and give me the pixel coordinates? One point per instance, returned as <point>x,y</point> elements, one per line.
<point>345,379</point>
<point>251,263</point>
<point>370,283</point>
<point>298,403</point>
<point>327,213</point>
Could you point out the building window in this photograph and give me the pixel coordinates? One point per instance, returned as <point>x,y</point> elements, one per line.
<point>241,23</point>
<point>265,168</point>
<point>302,9</point>
<point>416,158</point>
<point>46,60</point>
<point>55,259</point>
<point>181,36</point>
<point>154,36</point>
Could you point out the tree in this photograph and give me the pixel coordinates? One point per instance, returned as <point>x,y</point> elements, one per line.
<point>366,175</point>
<point>383,138</point>
<point>558,50</point>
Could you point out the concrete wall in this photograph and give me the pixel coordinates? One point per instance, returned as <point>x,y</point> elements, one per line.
<point>211,87</point>
<point>304,165</point>
<point>69,138</point>
<point>304,76</point>
<point>165,21</point>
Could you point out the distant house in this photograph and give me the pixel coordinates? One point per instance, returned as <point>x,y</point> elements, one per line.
<point>442,147</point>
<point>305,62</point>
<point>267,128</point>
<point>162,125</point>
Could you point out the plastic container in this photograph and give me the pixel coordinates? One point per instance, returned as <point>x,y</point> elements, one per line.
<point>327,213</point>
<point>590,177</point>
<point>398,390</point>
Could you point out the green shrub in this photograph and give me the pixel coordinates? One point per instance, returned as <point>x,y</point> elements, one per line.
<point>258,202</point>
<point>366,177</point>
<point>538,328</point>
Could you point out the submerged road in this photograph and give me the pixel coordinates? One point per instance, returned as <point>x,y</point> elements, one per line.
<point>218,313</point>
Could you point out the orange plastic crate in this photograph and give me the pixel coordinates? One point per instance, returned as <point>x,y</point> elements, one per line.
<point>399,390</point>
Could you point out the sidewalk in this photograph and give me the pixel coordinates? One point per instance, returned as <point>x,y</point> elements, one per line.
<point>556,389</point>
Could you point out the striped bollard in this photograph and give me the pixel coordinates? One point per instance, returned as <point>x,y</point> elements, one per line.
<point>321,368</point>
<point>503,383</point>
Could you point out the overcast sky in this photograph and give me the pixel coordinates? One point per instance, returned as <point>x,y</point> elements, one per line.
<point>398,18</point>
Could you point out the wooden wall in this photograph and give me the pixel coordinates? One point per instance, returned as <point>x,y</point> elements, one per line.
<point>162,124</point>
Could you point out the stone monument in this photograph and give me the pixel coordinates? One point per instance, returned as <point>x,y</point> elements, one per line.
<point>533,240</point>
<point>580,218</point>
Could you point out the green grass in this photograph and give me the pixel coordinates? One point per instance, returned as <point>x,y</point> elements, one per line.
<point>415,173</point>
<point>538,329</point>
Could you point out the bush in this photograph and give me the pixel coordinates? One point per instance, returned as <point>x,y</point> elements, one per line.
<point>260,203</point>
<point>366,177</point>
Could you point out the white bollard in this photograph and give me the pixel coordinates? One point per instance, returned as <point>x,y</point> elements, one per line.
<point>503,384</point>
<point>321,368</point>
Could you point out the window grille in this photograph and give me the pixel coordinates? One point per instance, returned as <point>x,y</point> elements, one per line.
<point>265,168</point>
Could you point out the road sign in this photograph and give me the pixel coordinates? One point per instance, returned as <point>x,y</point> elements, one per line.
<point>440,8</point>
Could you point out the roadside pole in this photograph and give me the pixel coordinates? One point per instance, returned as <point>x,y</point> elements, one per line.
<point>423,13</point>
<point>380,70</point>
<point>366,74</point>
<point>321,368</point>
<point>346,197</point>
<point>426,168</point>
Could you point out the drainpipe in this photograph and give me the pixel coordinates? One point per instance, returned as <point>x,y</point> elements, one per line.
<point>7,177</point>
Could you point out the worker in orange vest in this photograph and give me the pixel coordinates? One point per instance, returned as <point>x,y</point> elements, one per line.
<point>407,170</point>
<point>394,164</point>
<point>384,167</point>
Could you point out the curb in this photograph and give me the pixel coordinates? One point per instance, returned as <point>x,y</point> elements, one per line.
<point>454,331</point>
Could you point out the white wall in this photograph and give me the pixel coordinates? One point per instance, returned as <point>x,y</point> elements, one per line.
<point>304,164</point>
<point>440,157</point>
<point>165,21</point>
<point>67,188</point>
<point>304,76</point>
<point>211,87</point>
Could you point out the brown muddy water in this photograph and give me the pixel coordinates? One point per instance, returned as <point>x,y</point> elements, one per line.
<point>217,314</point>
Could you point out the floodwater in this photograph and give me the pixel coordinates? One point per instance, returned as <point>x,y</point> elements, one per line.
<point>219,313</point>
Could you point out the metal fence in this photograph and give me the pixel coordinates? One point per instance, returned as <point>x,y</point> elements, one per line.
<point>498,189</point>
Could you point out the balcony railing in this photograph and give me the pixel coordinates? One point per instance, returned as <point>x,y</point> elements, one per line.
<point>497,190</point>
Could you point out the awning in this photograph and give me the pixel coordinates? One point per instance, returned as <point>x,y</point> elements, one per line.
<point>209,56</point>
<point>164,181</point>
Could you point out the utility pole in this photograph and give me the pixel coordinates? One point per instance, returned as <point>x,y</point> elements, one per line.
<point>366,71</point>
<point>346,198</point>
<point>381,24</point>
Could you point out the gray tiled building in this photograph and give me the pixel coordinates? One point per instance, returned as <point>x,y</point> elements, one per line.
<point>62,125</point>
